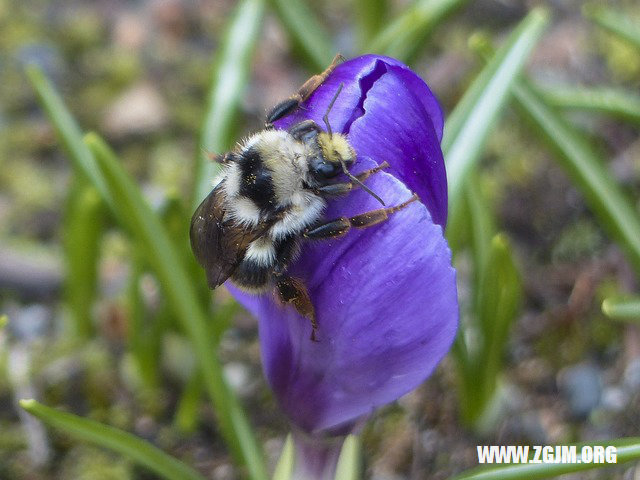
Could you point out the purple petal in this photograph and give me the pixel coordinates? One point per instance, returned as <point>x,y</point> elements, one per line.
<point>386,303</point>
<point>390,114</point>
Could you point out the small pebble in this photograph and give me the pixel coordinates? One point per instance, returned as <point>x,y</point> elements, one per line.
<point>581,385</point>
<point>139,110</point>
<point>615,399</point>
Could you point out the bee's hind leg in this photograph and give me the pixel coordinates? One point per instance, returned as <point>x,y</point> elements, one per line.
<point>291,290</point>
<point>287,106</point>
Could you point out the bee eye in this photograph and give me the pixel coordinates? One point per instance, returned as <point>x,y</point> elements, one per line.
<point>323,170</point>
<point>328,170</point>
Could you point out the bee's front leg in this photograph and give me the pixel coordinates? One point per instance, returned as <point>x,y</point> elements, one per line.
<point>287,106</point>
<point>340,226</point>
<point>342,188</point>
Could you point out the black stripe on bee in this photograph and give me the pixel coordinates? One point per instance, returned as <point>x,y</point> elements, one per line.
<point>286,249</point>
<point>251,274</point>
<point>256,183</point>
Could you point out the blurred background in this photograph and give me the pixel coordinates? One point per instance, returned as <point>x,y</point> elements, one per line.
<point>100,341</point>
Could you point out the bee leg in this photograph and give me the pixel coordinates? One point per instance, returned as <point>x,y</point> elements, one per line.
<point>287,106</point>
<point>367,173</point>
<point>340,226</point>
<point>342,188</point>
<point>292,290</point>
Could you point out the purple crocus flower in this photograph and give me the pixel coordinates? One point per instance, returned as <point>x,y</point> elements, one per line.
<point>385,296</point>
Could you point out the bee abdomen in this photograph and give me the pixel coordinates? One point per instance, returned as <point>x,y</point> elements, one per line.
<point>254,271</point>
<point>252,276</point>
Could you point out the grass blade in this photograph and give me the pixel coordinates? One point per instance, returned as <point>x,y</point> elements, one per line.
<point>229,80</point>
<point>404,37</point>
<point>284,467</point>
<point>186,416</point>
<point>481,223</point>
<point>499,294</point>
<point>308,35</point>
<point>628,449</point>
<point>119,441</point>
<point>586,169</point>
<point>617,23</point>
<point>144,335</point>
<point>615,102</point>
<point>68,131</point>
<point>470,123</point>
<point>349,463</point>
<point>81,235</point>
<point>622,308</point>
<point>163,258</point>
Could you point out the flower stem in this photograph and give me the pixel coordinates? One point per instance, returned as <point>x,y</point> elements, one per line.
<point>316,458</point>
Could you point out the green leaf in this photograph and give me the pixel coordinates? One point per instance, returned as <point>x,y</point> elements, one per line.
<point>4,321</point>
<point>622,308</point>
<point>370,17</point>
<point>284,467</point>
<point>144,332</point>
<point>499,294</point>
<point>186,417</point>
<point>458,227</point>
<point>405,36</point>
<point>69,132</point>
<point>628,449</point>
<point>228,82</point>
<point>482,224</point>
<point>498,291</point>
<point>308,35</point>
<point>612,101</point>
<point>82,233</point>
<point>349,463</point>
<point>616,22</point>
<point>586,170</point>
<point>469,124</point>
<point>119,441</point>
<point>163,258</point>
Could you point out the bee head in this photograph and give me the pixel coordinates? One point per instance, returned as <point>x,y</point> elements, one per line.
<point>336,154</point>
<point>336,150</point>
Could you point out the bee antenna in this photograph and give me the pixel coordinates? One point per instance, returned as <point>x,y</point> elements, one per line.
<point>326,115</point>
<point>355,179</point>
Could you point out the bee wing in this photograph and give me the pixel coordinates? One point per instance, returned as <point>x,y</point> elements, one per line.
<point>218,244</point>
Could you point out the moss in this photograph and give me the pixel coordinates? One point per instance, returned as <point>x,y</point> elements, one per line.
<point>578,241</point>
<point>82,30</point>
<point>88,463</point>
<point>30,186</point>
<point>11,437</point>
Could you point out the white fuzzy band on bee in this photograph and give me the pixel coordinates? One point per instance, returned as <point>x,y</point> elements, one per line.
<point>244,211</point>
<point>306,209</point>
<point>232,179</point>
<point>262,252</point>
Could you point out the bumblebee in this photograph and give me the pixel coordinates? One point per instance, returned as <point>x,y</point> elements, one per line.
<point>271,195</point>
